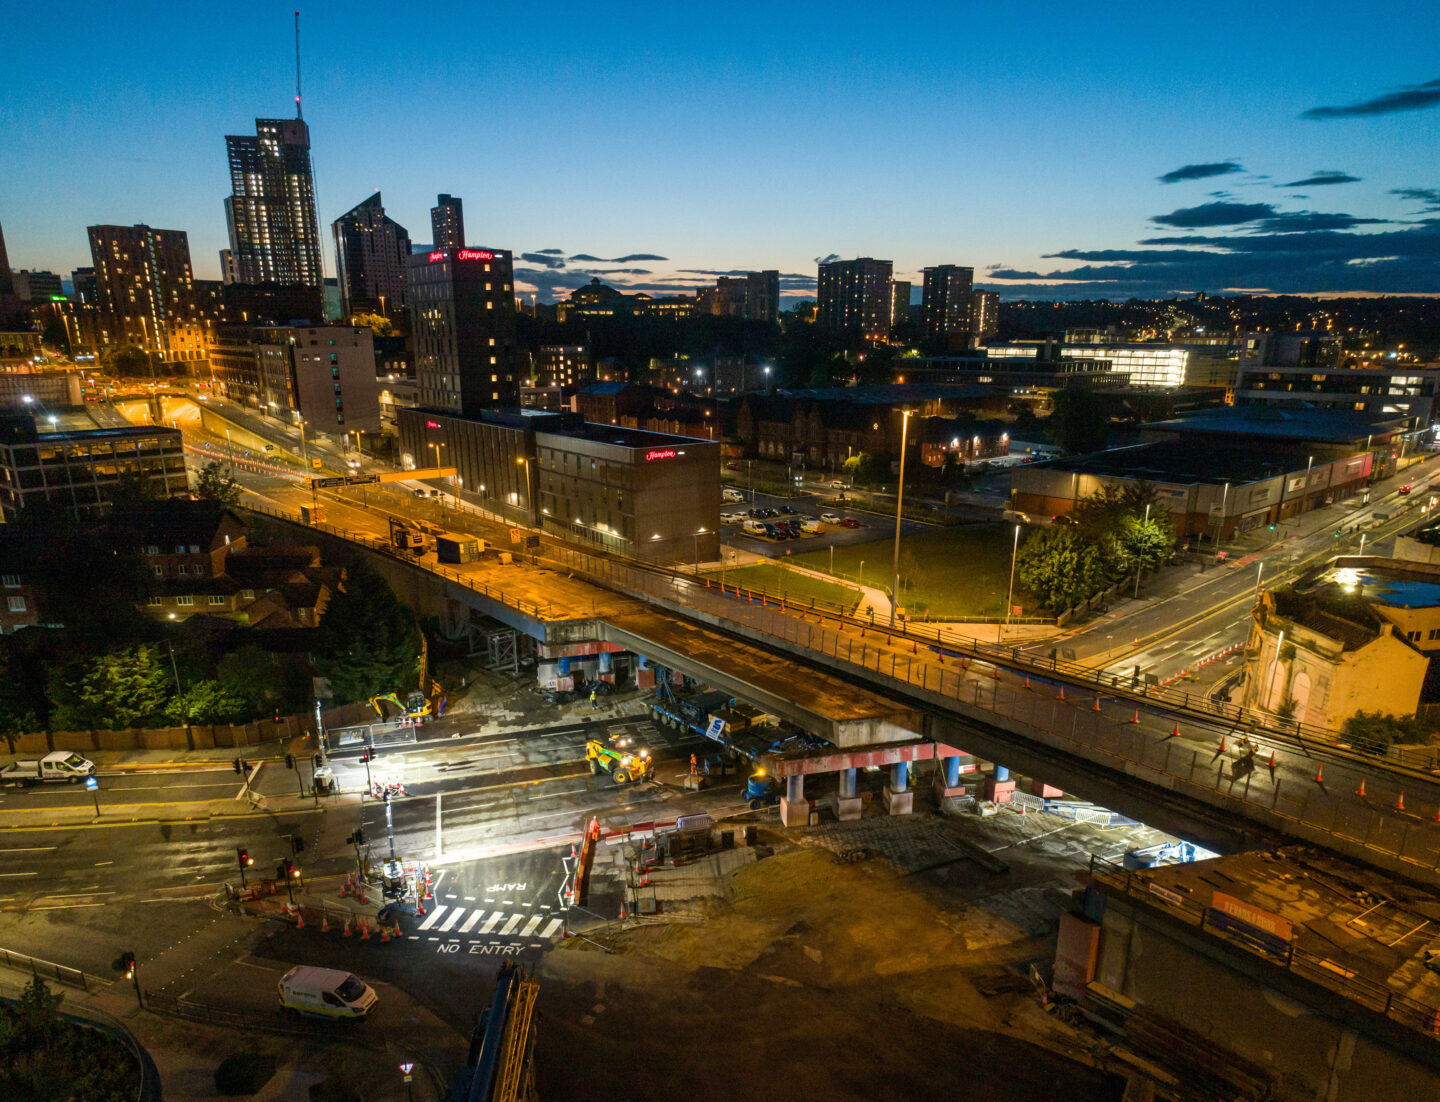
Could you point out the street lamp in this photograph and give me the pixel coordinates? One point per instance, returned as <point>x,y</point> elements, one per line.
<point>524,462</point>
<point>899,499</point>
<point>697,534</point>
<point>1010,597</point>
<point>1138,558</point>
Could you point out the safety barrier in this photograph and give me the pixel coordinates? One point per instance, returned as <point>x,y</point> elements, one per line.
<point>48,970</point>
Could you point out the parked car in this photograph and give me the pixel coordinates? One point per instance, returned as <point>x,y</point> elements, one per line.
<point>735,466</point>
<point>851,522</point>
<point>731,518</point>
<point>814,527</point>
<point>837,485</point>
<point>1405,489</point>
<point>787,510</point>
<point>830,518</point>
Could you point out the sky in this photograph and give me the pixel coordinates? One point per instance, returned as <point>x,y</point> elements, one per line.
<point>1064,150</point>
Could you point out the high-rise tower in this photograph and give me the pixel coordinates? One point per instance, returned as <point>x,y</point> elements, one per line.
<point>372,255</point>
<point>447,223</point>
<point>274,232</point>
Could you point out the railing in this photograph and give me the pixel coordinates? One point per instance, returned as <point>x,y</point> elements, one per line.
<point>1319,969</point>
<point>215,1015</point>
<point>47,970</point>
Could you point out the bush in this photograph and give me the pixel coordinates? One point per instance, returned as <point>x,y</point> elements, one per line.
<point>244,1072</point>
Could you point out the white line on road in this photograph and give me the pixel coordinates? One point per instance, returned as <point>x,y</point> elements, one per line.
<point>491,922</point>
<point>454,918</point>
<point>532,925</point>
<point>434,917</point>
<point>475,916</point>
<point>509,928</point>
<point>553,928</point>
<point>19,873</point>
<point>25,849</point>
<point>99,863</point>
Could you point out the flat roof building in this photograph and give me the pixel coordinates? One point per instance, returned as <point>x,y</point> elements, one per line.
<point>372,257</point>
<point>462,306</point>
<point>274,230</point>
<point>855,294</point>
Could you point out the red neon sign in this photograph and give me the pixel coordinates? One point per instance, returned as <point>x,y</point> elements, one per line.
<point>667,453</point>
<point>474,254</point>
<point>437,256</point>
<point>432,424</point>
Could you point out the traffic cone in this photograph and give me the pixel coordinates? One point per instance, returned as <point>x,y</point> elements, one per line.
<point>1175,733</point>
<point>1319,774</point>
<point>396,934</point>
<point>345,886</point>
<point>914,648</point>
<point>1400,802</point>
<point>1097,704</point>
<point>996,674</point>
<point>365,931</point>
<point>420,907</point>
<point>360,892</point>
<point>1361,790</point>
<point>324,922</point>
<point>1222,745</point>
<point>1272,761</point>
<point>1062,693</point>
<point>346,931</point>
<point>1027,680</point>
<point>1136,717</point>
<point>384,933</point>
<point>299,918</point>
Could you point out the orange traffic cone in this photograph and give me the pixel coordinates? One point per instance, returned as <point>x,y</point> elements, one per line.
<point>914,648</point>
<point>384,933</point>
<point>365,931</point>
<point>420,907</point>
<point>1319,774</point>
<point>1097,704</point>
<point>1272,761</point>
<point>324,922</point>
<point>1027,680</point>
<point>1136,717</point>
<point>1361,790</point>
<point>1062,693</point>
<point>996,673</point>
<point>396,934</point>
<point>1222,745</point>
<point>346,931</point>
<point>1400,802</point>
<point>1176,732</point>
<point>345,886</point>
<point>299,918</point>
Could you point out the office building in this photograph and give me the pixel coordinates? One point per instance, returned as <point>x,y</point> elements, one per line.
<point>855,294</point>
<point>322,375</point>
<point>899,303</point>
<point>372,257</point>
<point>462,306</point>
<point>144,292</point>
<point>984,314</point>
<point>653,496</point>
<point>945,301</point>
<point>562,365</point>
<point>1148,365</point>
<point>274,232</point>
<point>271,304</point>
<point>82,280</point>
<point>36,287</point>
<point>79,470</point>
<point>447,223</point>
<point>228,274</point>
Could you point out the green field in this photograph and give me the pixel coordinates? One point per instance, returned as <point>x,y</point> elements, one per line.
<point>793,586</point>
<point>947,572</point>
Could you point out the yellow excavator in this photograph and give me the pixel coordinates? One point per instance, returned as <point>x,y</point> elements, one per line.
<point>414,707</point>
<point>622,766</point>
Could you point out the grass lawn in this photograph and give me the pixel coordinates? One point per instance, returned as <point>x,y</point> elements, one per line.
<point>777,581</point>
<point>951,572</point>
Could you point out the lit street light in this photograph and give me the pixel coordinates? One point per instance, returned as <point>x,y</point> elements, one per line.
<point>899,499</point>
<point>1010,597</point>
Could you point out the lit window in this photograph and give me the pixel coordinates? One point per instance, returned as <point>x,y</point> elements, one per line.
<point>17,604</point>
<point>185,602</point>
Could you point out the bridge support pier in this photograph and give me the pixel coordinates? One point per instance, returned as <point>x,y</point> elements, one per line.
<point>794,808</point>
<point>999,788</point>
<point>899,797</point>
<point>847,804</point>
<point>947,777</point>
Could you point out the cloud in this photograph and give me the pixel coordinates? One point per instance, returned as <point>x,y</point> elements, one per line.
<point>1415,97</point>
<point>545,257</point>
<point>628,259</point>
<point>1215,214</point>
<point>1200,172</point>
<point>1307,220</point>
<point>1430,196</point>
<point>1321,177</point>
<point>552,252</point>
<point>829,258</point>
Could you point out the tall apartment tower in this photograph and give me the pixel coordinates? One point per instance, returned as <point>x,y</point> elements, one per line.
<point>462,317</point>
<point>372,259</point>
<point>145,291</point>
<point>7,285</point>
<point>984,315</point>
<point>447,223</point>
<point>855,294</point>
<point>274,231</point>
<point>945,300</point>
<point>899,303</point>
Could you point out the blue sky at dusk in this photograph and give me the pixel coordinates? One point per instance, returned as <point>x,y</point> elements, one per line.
<point>1033,141</point>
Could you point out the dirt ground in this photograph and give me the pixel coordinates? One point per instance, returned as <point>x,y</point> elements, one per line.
<point>838,981</point>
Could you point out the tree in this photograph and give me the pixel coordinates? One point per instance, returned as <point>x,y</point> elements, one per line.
<point>867,469</point>
<point>1080,419</point>
<point>208,701</point>
<point>1380,729</point>
<point>130,687</point>
<point>369,642</point>
<point>127,359</point>
<point>1059,567</point>
<point>43,1056</point>
<point>212,484</point>
<point>377,322</point>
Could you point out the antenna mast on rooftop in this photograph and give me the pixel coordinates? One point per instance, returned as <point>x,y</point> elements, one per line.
<point>298,113</point>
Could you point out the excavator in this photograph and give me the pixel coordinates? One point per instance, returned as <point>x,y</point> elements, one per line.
<point>414,707</point>
<point>622,766</point>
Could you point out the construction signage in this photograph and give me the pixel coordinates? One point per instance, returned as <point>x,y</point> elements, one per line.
<point>1271,925</point>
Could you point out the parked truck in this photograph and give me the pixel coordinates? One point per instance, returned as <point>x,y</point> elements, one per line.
<point>453,548</point>
<point>58,765</point>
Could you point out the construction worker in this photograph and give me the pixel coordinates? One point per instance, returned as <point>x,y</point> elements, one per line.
<point>694,765</point>
<point>594,701</point>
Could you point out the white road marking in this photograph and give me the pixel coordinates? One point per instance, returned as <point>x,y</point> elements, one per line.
<point>19,874</point>
<point>553,928</point>
<point>509,927</point>
<point>491,922</point>
<point>433,917</point>
<point>532,925</point>
<point>475,916</point>
<point>24,849</point>
<point>455,916</point>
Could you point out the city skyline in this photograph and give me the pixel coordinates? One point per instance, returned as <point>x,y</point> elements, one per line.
<point>1060,157</point>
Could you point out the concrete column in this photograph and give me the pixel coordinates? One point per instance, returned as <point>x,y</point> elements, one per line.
<point>899,800</point>
<point>952,772</point>
<point>1000,788</point>
<point>1002,773</point>
<point>794,808</point>
<point>847,804</point>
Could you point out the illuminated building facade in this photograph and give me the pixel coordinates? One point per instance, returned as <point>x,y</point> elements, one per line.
<point>274,232</point>
<point>462,305</point>
<point>145,291</point>
<point>372,257</point>
<point>855,294</point>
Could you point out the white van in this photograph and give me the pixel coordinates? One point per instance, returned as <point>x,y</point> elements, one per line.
<point>753,528</point>
<point>327,992</point>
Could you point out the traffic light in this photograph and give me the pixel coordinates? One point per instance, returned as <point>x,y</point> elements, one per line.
<point>276,715</point>
<point>364,757</point>
<point>286,870</point>
<point>239,765</point>
<point>289,761</point>
<point>243,855</point>
<point>314,761</point>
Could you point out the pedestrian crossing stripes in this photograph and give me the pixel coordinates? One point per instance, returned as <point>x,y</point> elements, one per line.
<point>444,919</point>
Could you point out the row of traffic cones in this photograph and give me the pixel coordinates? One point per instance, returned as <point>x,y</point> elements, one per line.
<point>354,887</point>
